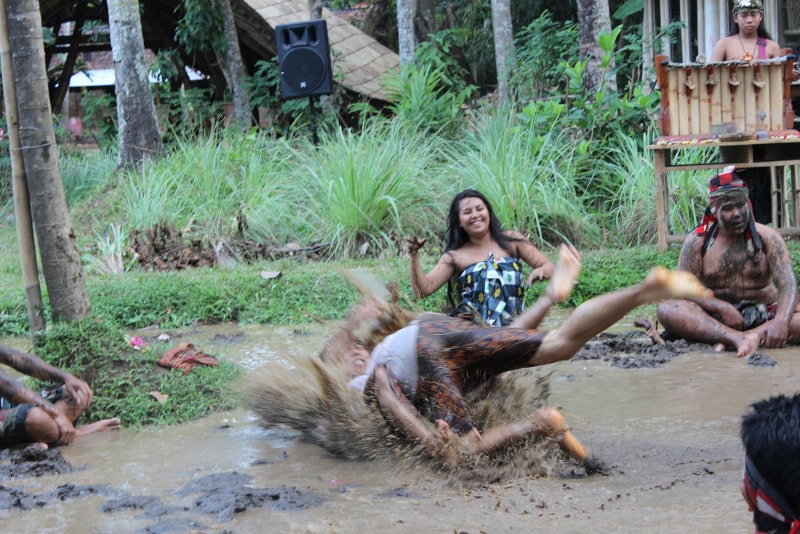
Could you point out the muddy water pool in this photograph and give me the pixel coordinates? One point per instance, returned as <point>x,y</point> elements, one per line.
<point>668,437</point>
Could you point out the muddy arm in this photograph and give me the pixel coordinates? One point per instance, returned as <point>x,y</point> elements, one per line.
<point>397,409</point>
<point>75,389</point>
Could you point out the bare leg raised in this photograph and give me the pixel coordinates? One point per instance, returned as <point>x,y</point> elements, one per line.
<point>599,313</point>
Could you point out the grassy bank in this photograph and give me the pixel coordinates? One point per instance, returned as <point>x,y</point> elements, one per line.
<point>305,291</point>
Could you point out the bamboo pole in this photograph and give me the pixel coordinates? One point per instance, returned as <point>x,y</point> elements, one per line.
<point>22,208</point>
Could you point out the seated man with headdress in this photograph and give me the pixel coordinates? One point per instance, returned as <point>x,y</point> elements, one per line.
<point>749,269</point>
<point>772,464</point>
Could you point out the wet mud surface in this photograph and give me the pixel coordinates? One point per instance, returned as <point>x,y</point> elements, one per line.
<point>636,350</point>
<point>660,420</point>
<point>217,496</point>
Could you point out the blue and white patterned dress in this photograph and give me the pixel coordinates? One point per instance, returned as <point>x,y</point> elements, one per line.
<point>491,290</point>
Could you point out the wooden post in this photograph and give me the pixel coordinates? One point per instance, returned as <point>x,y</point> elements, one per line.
<point>22,208</point>
<point>662,204</point>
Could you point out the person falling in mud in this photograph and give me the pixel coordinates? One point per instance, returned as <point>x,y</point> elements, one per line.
<point>420,373</point>
<point>772,464</point>
<point>749,269</point>
<point>27,417</point>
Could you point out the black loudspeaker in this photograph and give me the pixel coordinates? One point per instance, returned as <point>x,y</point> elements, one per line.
<point>304,59</point>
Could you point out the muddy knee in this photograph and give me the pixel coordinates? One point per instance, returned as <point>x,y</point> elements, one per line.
<point>41,427</point>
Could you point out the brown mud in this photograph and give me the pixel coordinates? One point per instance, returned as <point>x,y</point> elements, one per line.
<point>231,486</point>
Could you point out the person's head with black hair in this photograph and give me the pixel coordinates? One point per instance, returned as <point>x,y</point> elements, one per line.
<point>744,9</point>
<point>457,236</point>
<point>770,433</point>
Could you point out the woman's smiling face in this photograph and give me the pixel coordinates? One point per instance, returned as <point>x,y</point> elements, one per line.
<point>473,216</point>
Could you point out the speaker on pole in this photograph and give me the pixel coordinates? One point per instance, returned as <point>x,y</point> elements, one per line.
<point>304,59</point>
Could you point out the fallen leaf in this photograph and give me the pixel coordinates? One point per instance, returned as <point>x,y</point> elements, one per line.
<point>160,397</point>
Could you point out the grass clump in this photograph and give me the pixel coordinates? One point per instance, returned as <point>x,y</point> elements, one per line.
<point>121,377</point>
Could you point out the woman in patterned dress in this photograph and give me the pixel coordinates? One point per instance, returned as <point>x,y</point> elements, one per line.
<point>484,260</point>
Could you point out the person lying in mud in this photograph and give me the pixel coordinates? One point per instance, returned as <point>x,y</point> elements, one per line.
<point>419,369</point>
<point>772,464</point>
<point>749,269</point>
<point>27,417</point>
<point>489,259</point>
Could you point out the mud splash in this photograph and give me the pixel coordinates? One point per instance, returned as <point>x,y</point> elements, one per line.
<point>317,401</point>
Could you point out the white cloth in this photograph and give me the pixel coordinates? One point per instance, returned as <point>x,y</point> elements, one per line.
<point>398,352</point>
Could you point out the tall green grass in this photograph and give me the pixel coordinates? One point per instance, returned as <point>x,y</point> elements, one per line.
<point>368,190</point>
<point>85,174</point>
<point>204,185</point>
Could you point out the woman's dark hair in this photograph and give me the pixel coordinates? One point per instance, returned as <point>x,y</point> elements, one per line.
<point>456,237</point>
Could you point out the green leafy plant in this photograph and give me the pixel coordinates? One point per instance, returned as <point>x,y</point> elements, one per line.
<point>111,252</point>
<point>420,101</point>
<point>440,52</point>
<point>100,118</point>
<point>540,50</point>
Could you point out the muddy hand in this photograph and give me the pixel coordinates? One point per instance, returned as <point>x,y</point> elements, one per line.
<point>413,244</point>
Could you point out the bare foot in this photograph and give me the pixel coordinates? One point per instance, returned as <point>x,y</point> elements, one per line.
<point>565,275</point>
<point>748,345</point>
<point>675,284</point>
<point>745,345</point>
<point>556,425</point>
<point>99,426</point>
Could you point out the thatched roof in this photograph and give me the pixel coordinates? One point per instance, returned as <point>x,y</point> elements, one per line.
<point>360,59</point>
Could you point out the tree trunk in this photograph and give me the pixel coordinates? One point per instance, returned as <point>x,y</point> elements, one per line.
<point>406,11</point>
<point>22,205</point>
<point>425,20</point>
<point>594,19</point>
<point>315,9</point>
<point>139,136</point>
<point>503,46</point>
<point>61,263</point>
<point>230,62</point>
